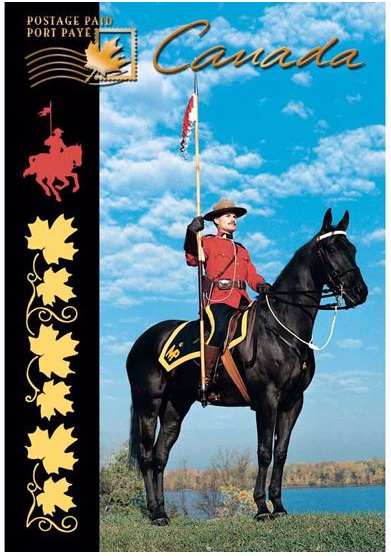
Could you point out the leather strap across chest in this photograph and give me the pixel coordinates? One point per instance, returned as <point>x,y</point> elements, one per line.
<point>215,278</point>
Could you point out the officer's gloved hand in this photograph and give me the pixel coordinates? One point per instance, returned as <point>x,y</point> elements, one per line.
<point>196,225</point>
<point>263,288</point>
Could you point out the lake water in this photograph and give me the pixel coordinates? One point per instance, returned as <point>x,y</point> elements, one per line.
<point>309,500</point>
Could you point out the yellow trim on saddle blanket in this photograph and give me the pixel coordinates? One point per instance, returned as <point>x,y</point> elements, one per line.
<point>172,351</point>
<point>243,331</point>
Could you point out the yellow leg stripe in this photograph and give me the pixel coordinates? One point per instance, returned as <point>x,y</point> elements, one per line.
<point>212,323</point>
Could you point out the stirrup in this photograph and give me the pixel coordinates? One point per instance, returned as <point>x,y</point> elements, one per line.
<point>213,397</point>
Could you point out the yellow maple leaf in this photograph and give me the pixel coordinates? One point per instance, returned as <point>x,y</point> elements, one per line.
<point>52,240</point>
<point>105,60</point>
<point>53,399</point>
<point>54,495</point>
<point>51,450</point>
<point>53,286</point>
<point>52,351</point>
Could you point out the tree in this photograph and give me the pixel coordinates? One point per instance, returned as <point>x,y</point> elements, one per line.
<point>121,488</point>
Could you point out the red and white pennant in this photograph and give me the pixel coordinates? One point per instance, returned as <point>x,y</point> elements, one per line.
<point>188,123</point>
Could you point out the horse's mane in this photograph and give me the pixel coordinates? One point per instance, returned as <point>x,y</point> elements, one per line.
<point>299,256</point>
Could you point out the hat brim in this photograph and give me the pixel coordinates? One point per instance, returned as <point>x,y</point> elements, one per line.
<point>239,211</point>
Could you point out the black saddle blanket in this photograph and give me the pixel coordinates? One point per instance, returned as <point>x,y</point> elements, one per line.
<point>183,343</point>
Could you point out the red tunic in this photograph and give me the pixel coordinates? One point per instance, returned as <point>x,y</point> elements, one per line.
<point>218,251</point>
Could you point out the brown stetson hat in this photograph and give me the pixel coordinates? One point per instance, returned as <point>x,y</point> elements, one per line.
<point>222,207</point>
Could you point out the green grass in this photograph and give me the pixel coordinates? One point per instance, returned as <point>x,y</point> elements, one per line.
<point>295,533</point>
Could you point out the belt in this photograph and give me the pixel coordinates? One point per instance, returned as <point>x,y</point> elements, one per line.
<point>228,284</point>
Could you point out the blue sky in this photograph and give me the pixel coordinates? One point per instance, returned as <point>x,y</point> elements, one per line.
<point>287,144</point>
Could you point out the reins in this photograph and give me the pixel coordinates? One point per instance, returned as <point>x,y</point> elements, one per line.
<point>337,285</point>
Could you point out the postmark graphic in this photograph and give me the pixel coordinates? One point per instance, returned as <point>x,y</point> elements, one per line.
<point>57,165</point>
<point>109,59</point>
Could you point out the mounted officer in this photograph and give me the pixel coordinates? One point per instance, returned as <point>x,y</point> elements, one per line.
<point>55,143</point>
<point>228,268</point>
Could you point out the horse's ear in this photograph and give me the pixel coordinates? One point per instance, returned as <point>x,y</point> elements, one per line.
<point>344,221</point>
<point>327,221</point>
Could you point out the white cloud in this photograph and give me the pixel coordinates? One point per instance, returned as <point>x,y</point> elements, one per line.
<point>170,215</point>
<point>355,381</point>
<point>114,236</point>
<point>109,398</point>
<point>376,290</point>
<point>303,78</point>
<point>344,163</point>
<point>107,8</point>
<point>257,242</point>
<point>269,269</point>
<point>350,343</point>
<point>298,108</point>
<point>376,235</point>
<point>352,99</point>
<point>249,160</point>
<point>230,155</point>
<point>299,25</point>
<point>145,270</point>
<point>321,126</point>
<point>111,345</point>
<point>381,262</point>
<point>324,356</point>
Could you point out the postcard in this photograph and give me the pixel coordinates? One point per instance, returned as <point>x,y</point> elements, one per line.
<point>195,289</point>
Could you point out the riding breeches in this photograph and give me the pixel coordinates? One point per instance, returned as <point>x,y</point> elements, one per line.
<point>220,316</point>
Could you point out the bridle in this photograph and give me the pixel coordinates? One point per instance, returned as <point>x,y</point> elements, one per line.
<point>334,280</point>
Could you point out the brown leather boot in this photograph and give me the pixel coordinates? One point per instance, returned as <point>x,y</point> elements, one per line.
<point>211,355</point>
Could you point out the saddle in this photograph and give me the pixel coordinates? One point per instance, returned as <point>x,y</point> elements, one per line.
<point>183,343</point>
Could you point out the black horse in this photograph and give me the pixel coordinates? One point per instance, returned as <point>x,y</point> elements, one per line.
<point>282,369</point>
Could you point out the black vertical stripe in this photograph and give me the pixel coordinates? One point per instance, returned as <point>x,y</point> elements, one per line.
<point>76,111</point>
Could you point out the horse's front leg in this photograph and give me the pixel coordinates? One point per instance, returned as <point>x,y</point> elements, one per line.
<point>43,185</point>
<point>49,181</point>
<point>76,180</point>
<point>64,181</point>
<point>266,411</point>
<point>171,418</point>
<point>284,425</point>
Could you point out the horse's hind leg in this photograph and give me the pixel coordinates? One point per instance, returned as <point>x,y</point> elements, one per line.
<point>284,425</point>
<point>147,421</point>
<point>171,418</point>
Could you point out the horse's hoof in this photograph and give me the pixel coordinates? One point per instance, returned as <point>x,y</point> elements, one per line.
<point>280,514</point>
<point>264,517</point>
<point>161,521</point>
<point>75,189</point>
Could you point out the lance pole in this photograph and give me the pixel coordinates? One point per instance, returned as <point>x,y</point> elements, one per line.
<point>199,245</point>
<point>50,119</point>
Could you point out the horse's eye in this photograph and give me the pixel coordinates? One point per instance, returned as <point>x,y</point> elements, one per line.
<point>331,250</point>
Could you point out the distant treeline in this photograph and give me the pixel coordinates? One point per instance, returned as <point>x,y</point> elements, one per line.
<point>233,468</point>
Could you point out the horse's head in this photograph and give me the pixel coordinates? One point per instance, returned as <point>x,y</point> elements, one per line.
<point>337,261</point>
<point>75,151</point>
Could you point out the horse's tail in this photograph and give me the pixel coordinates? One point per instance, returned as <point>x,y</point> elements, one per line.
<point>134,439</point>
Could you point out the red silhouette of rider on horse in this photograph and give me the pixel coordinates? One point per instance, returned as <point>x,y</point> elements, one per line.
<point>58,164</point>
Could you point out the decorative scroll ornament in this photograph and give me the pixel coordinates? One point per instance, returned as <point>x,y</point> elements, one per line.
<point>52,347</point>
